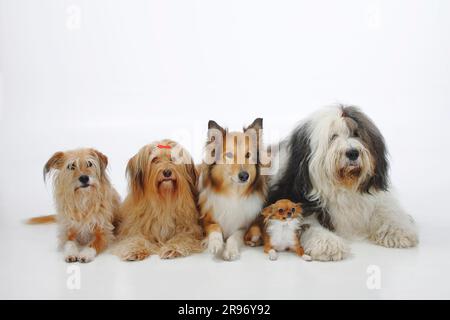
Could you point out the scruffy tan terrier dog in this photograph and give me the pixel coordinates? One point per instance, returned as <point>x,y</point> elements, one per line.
<point>86,203</point>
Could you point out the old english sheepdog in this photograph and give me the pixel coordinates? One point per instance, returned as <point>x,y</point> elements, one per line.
<point>335,164</point>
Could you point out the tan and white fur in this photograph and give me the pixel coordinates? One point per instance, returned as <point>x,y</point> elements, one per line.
<point>232,190</point>
<point>282,225</point>
<point>160,214</point>
<point>86,203</point>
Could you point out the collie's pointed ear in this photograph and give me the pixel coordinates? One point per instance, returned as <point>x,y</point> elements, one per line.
<point>214,125</point>
<point>135,174</point>
<point>55,162</point>
<point>256,125</point>
<point>103,160</point>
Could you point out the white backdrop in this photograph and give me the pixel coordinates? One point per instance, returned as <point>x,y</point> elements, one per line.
<point>116,75</point>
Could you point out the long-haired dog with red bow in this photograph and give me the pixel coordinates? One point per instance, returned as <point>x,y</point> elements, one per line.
<point>160,215</point>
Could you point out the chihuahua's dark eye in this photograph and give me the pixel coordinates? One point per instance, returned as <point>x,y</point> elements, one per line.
<point>248,155</point>
<point>280,210</point>
<point>71,166</point>
<point>229,155</point>
<point>293,210</point>
<point>89,164</point>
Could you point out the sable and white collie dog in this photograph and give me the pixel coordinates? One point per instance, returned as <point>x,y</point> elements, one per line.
<point>232,189</point>
<point>335,164</point>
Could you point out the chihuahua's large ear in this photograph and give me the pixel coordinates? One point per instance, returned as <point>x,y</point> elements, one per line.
<point>102,159</point>
<point>136,178</point>
<point>267,212</point>
<point>299,207</point>
<point>55,162</point>
<point>256,125</point>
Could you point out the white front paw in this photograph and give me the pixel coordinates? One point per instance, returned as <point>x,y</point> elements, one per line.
<point>70,252</point>
<point>215,242</point>
<point>394,237</point>
<point>231,252</point>
<point>273,255</point>
<point>306,257</point>
<point>87,255</point>
<point>326,247</point>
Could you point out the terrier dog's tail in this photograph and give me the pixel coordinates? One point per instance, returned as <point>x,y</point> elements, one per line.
<point>41,220</point>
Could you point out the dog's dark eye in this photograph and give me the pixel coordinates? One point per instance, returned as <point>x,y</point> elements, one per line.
<point>155,159</point>
<point>333,137</point>
<point>89,164</point>
<point>293,210</point>
<point>280,210</point>
<point>71,166</point>
<point>229,155</point>
<point>248,155</point>
<point>356,134</point>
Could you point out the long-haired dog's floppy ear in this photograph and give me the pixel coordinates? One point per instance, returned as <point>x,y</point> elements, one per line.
<point>135,176</point>
<point>102,159</point>
<point>55,162</point>
<point>372,137</point>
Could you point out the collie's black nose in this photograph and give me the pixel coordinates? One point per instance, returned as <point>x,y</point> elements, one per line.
<point>167,173</point>
<point>243,176</point>
<point>84,179</point>
<point>352,154</point>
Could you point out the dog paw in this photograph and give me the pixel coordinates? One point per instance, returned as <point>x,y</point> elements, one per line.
<point>393,237</point>
<point>254,241</point>
<point>215,242</point>
<point>231,253</point>
<point>87,255</point>
<point>326,247</point>
<point>273,255</point>
<point>169,254</point>
<point>135,255</point>
<point>71,258</point>
<point>306,257</point>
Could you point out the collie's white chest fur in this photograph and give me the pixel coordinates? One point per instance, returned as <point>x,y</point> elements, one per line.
<point>234,212</point>
<point>283,234</point>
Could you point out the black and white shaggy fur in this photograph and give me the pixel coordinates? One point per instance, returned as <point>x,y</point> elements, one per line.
<point>335,164</point>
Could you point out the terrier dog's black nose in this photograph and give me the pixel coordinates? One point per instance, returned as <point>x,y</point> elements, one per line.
<point>84,179</point>
<point>167,173</point>
<point>352,154</point>
<point>243,176</point>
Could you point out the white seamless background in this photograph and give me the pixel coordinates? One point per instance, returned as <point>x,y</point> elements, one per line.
<point>116,75</point>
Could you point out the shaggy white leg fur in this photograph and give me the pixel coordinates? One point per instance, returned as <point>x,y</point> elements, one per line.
<point>87,255</point>
<point>273,255</point>
<point>391,227</point>
<point>215,242</point>
<point>322,244</point>
<point>70,251</point>
<point>233,245</point>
